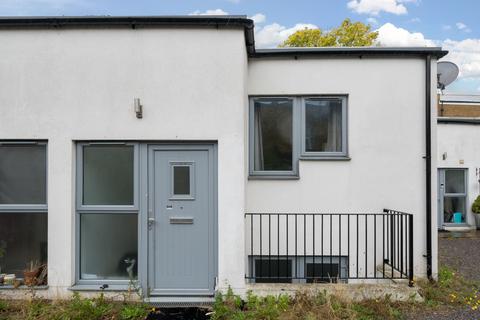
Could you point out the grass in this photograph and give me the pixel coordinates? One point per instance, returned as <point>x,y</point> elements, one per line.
<point>450,291</point>
<point>77,308</point>
<point>302,306</point>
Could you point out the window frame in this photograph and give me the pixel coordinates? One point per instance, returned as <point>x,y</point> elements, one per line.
<point>274,174</point>
<point>324,155</point>
<point>79,179</point>
<point>28,208</point>
<point>298,136</point>
<point>464,195</point>
<point>96,284</point>
<point>191,173</point>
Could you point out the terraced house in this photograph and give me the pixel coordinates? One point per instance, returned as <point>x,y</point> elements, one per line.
<point>171,151</point>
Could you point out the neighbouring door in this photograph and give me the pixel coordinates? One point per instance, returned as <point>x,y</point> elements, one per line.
<point>181,220</point>
<point>452,196</point>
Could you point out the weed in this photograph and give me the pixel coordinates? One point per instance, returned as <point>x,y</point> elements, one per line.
<point>3,305</point>
<point>134,311</point>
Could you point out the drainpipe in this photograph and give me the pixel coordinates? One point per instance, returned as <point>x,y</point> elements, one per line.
<point>428,164</point>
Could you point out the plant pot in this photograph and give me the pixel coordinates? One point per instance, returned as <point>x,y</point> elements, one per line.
<point>477,220</point>
<point>9,279</point>
<point>30,277</point>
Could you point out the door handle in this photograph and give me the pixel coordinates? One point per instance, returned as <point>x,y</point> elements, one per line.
<point>151,221</point>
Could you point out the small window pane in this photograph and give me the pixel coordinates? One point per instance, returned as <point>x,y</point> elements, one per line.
<point>23,238</point>
<point>322,272</point>
<point>454,181</point>
<point>273,271</point>
<point>273,134</point>
<point>453,206</point>
<point>108,175</point>
<point>23,174</point>
<point>108,246</point>
<point>323,125</point>
<point>181,180</point>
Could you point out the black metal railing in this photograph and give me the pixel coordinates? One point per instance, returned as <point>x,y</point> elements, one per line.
<point>329,247</point>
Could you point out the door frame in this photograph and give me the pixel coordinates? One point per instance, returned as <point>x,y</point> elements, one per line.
<point>441,177</point>
<point>146,202</point>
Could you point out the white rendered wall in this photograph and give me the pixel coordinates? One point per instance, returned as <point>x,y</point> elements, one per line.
<point>67,85</point>
<point>386,141</point>
<point>460,142</point>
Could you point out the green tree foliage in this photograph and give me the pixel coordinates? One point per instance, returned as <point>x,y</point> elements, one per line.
<point>348,34</point>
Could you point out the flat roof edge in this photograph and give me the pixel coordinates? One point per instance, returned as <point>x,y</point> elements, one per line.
<point>129,21</point>
<point>215,21</point>
<point>350,51</point>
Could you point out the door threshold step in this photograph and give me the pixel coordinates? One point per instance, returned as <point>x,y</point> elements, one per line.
<point>176,301</point>
<point>460,228</point>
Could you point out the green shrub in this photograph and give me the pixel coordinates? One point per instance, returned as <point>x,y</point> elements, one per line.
<point>476,205</point>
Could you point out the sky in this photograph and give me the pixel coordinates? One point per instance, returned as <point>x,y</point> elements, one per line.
<point>451,24</point>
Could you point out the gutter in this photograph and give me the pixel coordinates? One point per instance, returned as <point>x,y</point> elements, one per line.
<point>359,52</point>
<point>453,120</point>
<point>428,164</point>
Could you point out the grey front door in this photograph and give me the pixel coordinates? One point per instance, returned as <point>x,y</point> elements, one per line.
<point>181,220</point>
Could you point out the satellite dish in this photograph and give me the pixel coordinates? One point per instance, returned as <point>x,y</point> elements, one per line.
<point>447,72</point>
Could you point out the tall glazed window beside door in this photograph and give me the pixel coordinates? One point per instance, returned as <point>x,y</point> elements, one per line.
<point>107,213</point>
<point>23,209</point>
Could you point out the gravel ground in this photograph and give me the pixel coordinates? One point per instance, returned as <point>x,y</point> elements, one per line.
<point>460,251</point>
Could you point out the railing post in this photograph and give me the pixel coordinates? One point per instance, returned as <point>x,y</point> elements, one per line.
<point>392,239</point>
<point>410,251</point>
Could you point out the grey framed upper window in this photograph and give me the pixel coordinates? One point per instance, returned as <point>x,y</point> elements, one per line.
<point>324,127</point>
<point>283,130</point>
<point>273,131</point>
<point>23,175</point>
<point>107,176</point>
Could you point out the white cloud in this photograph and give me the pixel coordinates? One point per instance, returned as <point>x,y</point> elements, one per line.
<point>414,20</point>
<point>258,18</point>
<point>462,26</point>
<point>391,36</point>
<point>211,12</point>
<point>274,34</point>
<point>447,27</point>
<point>372,21</point>
<point>465,53</point>
<point>374,7</point>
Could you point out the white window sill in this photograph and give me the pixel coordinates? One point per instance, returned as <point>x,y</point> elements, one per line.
<point>324,158</point>
<point>98,287</point>
<point>273,177</point>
